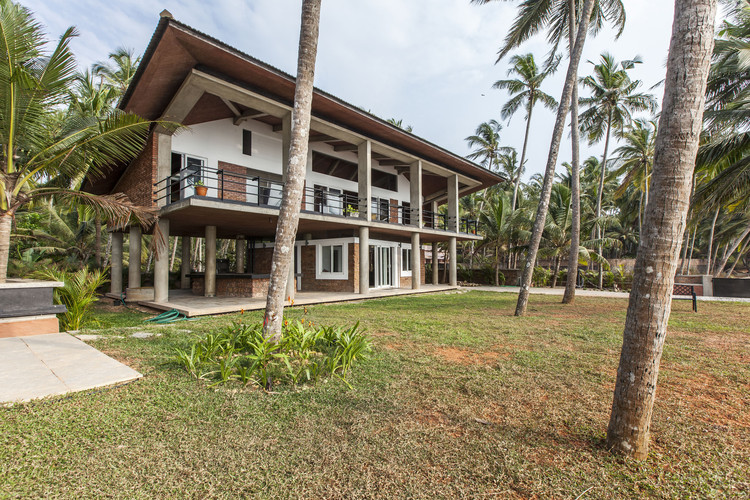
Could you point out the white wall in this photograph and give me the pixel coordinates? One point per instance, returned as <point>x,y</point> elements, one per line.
<point>221,140</point>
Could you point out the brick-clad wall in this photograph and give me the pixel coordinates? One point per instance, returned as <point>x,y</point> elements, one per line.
<point>310,284</point>
<point>405,281</point>
<point>234,287</point>
<point>235,188</point>
<point>138,180</point>
<point>393,211</point>
<point>262,260</point>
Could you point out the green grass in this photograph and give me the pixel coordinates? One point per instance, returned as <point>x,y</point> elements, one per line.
<point>459,398</point>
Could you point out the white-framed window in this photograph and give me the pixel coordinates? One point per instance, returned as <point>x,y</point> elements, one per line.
<point>406,260</point>
<point>332,261</point>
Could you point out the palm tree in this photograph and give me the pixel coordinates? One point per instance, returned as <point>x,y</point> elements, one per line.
<point>486,144</point>
<point>400,124</point>
<point>611,104</point>
<point>653,280</point>
<point>120,71</point>
<point>525,90</point>
<point>34,85</point>
<point>286,227</point>
<point>496,222</point>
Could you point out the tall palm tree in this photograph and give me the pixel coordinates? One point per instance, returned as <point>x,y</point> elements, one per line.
<point>508,166</point>
<point>34,85</point>
<point>286,227</point>
<point>486,144</point>
<point>119,71</point>
<point>496,222</point>
<point>653,280</point>
<point>611,104</point>
<point>525,90</point>
<point>559,18</point>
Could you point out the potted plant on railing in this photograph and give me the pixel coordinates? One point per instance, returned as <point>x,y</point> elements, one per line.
<point>351,211</point>
<point>200,189</point>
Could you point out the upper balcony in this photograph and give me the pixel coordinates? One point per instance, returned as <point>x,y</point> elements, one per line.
<point>220,185</point>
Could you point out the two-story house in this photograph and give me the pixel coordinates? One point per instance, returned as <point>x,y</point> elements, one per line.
<point>372,191</point>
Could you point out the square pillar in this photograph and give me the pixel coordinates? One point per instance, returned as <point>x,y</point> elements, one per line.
<point>364,179</point>
<point>161,263</point>
<point>435,272</point>
<point>115,278</point>
<point>290,288</point>
<point>134,257</point>
<point>185,264</point>
<point>364,260</point>
<point>415,193</point>
<point>453,224</point>
<point>209,277</point>
<point>239,254</point>
<point>416,262</point>
<point>286,143</point>
<point>163,166</point>
<point>453,263</point>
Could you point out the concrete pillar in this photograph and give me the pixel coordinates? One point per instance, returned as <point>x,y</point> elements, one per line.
<point>453,224</point>
<point>161,263</point>
<point>454,264</point>
<point>290,288</point>
<point>209,278</point>
<point>435,264</point>
<point>185,267</point>
<point>163,165</point>
<point>364,177</point>
<point>286,142</point>
<point>416,261</point>
<point>116,267</point>
<point>134,257</point>
<point>415,193</point>
<point>364,260</point>
<point>239,253</point>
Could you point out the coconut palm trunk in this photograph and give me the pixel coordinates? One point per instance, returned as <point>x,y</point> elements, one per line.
<point>286,228</point>
<point>523,157</point>
<point>549,173</point>
<point>730,250</point>
<point>600,193</point>
<point>575,181</point>
<point>650,302</point>
<point>740,253</point>
<point>711,241</point>
<point>6,221</point>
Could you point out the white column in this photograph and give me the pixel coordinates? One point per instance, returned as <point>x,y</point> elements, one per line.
<point>434,209</point>
<point>209,278</point>
<point>290,288</point>
<point>364,162</point>
<point>134,257</point>
<point>161,263</point>
<point>364,260</point>
<point>416,261</point>
<point>115,278</point>
<point>286,142</point>
<point>453,204</point>
<point>239,254</point>
<point>415,193</point>
<point>435,264</point>
<point>185,266</point>
<point>163,165</point>
<point>454,268</point>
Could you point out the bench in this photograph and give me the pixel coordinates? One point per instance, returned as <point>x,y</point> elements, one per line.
<point>685,292</point>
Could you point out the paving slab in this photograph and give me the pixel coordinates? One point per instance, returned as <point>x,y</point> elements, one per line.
<point>39,366</point>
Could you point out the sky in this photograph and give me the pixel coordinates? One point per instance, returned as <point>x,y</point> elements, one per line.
<point>430,63</point>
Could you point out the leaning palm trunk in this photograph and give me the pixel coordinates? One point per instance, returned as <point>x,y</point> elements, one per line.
<point>549,173</point>
<point>740,253</point>
<point>575,183</point>
<point>286,228</point>
<point>674,160</point>
<point>599,195</point>
<point>711,241</point>
<point>730,250</point>
<point>523,157</point>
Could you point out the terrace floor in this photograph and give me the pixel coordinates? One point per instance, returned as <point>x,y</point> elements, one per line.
<point>195,305</point>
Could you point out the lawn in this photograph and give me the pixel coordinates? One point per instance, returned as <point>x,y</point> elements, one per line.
<point>459,398</point>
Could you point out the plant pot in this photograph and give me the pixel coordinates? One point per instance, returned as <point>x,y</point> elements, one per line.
<point>201,190</point>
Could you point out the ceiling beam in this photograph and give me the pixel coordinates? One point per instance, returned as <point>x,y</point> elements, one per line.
<point>346,147</point>
<point>316,137</point>
<point>393,163</point>
<point>248,114</point>
<point>229,104</point>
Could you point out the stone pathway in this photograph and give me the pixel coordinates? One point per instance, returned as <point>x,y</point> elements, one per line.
<point>39,366</point>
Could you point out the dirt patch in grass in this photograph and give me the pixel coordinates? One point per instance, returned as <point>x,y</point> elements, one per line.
<point>464,357</point>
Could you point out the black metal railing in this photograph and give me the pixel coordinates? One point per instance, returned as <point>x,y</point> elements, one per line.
<point>264,192</point>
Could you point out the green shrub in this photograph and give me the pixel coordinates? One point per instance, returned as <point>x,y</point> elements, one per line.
<point>77,294</point>
<point>541,276</point>
<point>305,354</point>
<point>608,279</point>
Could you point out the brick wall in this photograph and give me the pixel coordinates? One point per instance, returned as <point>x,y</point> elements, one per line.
<point>262,260</point>
<point>233,287</point>
<point>138,180</point>
<point>310,284</point>
<point>393,211</point>
<point>235,187</point>
<point>405,281</point>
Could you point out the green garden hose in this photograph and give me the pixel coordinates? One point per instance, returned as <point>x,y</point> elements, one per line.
<point>167,317</point>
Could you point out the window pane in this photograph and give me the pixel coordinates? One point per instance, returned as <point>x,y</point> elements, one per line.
<point>247,142</point>
<point>337,264</point>
<point>326,260</point>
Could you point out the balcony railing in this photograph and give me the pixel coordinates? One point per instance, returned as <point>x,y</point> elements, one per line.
<point>267,193</point>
